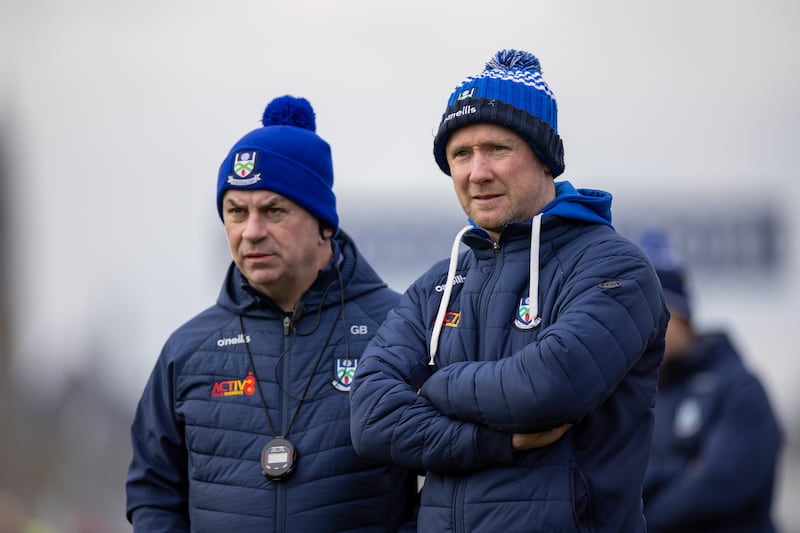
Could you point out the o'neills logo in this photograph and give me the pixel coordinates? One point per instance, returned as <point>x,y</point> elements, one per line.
<point>234,387</point>
<point>239,339</point>
<point>466,110</point>
<point>457,279</point>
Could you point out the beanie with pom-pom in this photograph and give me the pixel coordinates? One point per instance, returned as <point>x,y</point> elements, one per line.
<point>670,269</point>
<point>510,92</point>
<point>285,156</point>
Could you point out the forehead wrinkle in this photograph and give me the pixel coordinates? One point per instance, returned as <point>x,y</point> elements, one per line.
<point>272,200</point>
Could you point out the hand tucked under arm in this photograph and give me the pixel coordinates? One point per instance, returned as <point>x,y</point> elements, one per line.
<point>529,441</point>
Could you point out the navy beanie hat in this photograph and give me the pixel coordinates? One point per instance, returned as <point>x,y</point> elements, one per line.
<point>670,272</point>
<point>509,92</point>
<point>287,157</point>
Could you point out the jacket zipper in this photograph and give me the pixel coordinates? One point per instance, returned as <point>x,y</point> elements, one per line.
<point>280,487</point>
<point>458,507</point>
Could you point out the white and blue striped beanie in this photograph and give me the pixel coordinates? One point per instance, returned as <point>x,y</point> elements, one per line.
<point>509,92</point>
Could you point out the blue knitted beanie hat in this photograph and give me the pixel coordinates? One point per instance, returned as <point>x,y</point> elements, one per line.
<point>671,273</point>
<point>509,92</point>
<point>287,157</point>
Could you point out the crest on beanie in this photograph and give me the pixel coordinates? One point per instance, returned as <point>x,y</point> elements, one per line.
<point>244,163</point>
<point>286,157</point>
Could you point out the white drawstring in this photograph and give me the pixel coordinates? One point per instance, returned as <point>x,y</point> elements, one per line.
<point>533,280</point>
<point>533,274</point>
<point>448,288</point>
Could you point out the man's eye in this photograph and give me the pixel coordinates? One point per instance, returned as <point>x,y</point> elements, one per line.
<point>235,214</point>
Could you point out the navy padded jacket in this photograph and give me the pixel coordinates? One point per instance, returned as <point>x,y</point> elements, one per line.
<point>716,445</point>
<point>200,425</point>
<point>592,361</point>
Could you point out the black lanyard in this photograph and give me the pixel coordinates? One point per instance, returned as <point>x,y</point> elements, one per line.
<point>302,398</point>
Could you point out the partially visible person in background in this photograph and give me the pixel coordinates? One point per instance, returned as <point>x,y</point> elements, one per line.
<point>243,425</point>
<point>717,440</point>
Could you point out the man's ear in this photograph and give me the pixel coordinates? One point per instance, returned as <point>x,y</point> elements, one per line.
<point>325,232</point>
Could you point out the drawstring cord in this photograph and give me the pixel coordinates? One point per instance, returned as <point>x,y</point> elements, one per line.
<point>533,274</point>
<point>533,280</point>
<point>448,288</point>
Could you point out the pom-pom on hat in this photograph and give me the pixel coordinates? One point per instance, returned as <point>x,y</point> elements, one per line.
<point>286,156</point>
<point>509,92</point>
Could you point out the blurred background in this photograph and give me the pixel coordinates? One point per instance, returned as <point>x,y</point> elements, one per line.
<point>114,118</point>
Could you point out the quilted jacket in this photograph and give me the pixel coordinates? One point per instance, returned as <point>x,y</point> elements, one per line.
<point>201,425</point>
<point>562,320</point>
<point>716,445</point>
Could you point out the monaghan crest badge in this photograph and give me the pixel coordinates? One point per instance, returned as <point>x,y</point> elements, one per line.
<point>244,165</point>
<point>344,373</point>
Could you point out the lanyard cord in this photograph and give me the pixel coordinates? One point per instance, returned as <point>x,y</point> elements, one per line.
<point>302,398</point>
<point>327,340</point>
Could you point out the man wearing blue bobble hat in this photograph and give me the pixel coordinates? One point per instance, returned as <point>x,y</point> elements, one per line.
<point>521,373</point>
<point>244,422</point>
<point>717,440</point>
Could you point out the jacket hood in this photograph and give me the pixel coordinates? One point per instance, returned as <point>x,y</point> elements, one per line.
<point>586,205</point>
<point>346,277</point>
<point>705,353</point>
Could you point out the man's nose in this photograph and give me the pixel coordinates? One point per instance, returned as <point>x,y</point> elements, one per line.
<point>255,229</point>
<point>481,169</point>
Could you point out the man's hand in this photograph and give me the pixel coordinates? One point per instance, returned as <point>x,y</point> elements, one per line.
<point>529,441</point>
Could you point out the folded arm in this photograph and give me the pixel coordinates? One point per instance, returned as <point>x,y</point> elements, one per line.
<point>598,335</point>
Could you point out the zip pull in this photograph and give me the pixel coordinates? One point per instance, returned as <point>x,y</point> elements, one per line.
<point>290,321</point>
